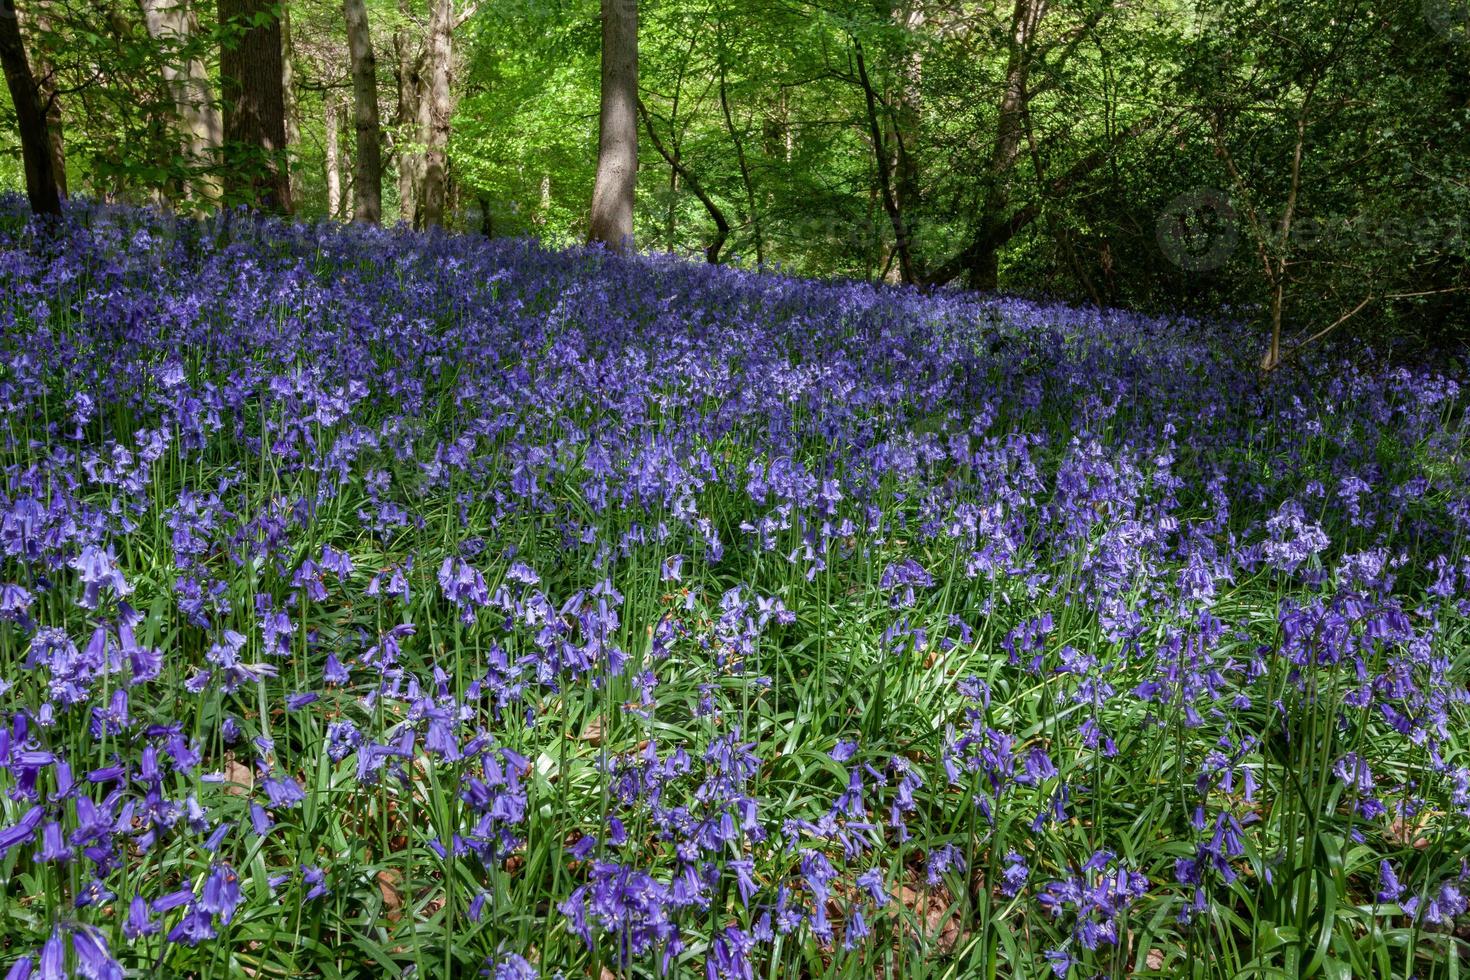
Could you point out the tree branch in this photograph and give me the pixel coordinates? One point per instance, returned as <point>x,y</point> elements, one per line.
<point>465,15</point>
<point>722,224</point>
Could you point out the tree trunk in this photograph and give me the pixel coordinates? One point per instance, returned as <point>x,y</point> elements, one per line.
<point>487,217</point>
<point>671,223</point>
<point>334,161</point>
<point>435,111</point>
<point>38,26</point>
<point>172,24</point>
<point>982,262</point>
<point>408,140</point>
<point>671,213</point>
<point>30,114</point>
<point>251,71</point>
<point>45,77</point>
<point>885,179</point>
<point>55,130</point>
<point>907,122</point>
<point>997,224</point>
<point>745,179</point>
<point>617,142</point>
<point>368,175</point>
<point>292,109</point>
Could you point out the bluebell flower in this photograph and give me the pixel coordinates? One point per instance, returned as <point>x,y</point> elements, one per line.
<point>315,880</point>
<point>52,964</point>
<point>221,895</point>
<point>139,922</point>
<point>283,791</point>
<point>94,959</point>
<point>1013,876</point>
<point>511,966</point>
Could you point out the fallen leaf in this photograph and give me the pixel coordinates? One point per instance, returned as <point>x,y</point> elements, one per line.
<point>239,778</point>
<point>592,734</point>
<point>388,889</point>
<point>1407,834</point>
<point>931,906</point>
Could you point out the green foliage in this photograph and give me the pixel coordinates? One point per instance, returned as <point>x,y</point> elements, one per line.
<point>1130,113</point>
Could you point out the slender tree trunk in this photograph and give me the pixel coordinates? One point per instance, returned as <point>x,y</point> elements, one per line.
<point>788,135</point>
<point>745,179</point>
<point>409,138</point>
<point>487,217</point>
<point>50,97</point>
<point>1060,234</point>
<point>255,108</point>
<point>671,224</point>
<point>1272,360</point>
<point>435,112</point>
<point>368,174</point>
<point>997,224</point>
<point>671,213</point>
<point>906,123</point>
<point>617,143</point>
<point>334,161</point>
<point>1274,249</point>
<point>172,24</point>
<point>30,114</point>
<point>885,178</point>
<point>291,106</point>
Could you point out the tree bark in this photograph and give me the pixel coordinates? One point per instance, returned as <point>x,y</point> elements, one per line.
<point>172,24</point>
<point>671,227</point>
<point>291,111</point>
<point>37,26</point>
<point>997,223</point>
<point>408,139</point>
<point>907,121</point>
<point>368,175</point>
<point>35,143</point>
<point>251,71</point>
<point>334,161</point>
<point>55,131</point>
<point>617,142</point>
<point>435,112</point>
<point>50,97</point>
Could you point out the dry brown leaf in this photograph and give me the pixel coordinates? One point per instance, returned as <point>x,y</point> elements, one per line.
<point>1408,834</point>
<point>239,778</point>
<point>388,888</point>
<point>932,908</point>
<point>592,734</point>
